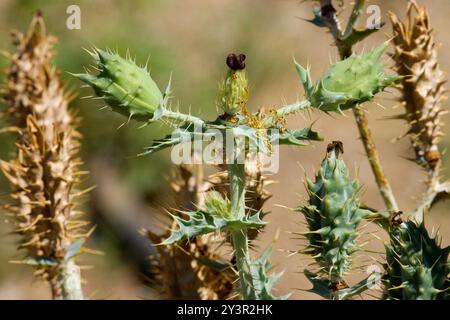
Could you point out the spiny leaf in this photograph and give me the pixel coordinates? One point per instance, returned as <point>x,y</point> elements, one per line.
<point>356,35</point>
<point>263,282</point>
<point>219,217</point>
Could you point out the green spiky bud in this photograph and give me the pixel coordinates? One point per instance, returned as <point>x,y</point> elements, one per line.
<point>416,266</point>
<point>233,94</point>
<point>348,82</point>
<point>126,87</point>
<point>218,206</point>
<point>333,216</point>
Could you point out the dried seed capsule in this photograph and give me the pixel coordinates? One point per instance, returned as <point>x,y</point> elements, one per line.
<point>422,87</point>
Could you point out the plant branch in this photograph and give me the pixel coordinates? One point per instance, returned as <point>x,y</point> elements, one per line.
<point>70,281</point>
<point>182,117</point>
<point>374,160</point>
<point>332,23</point>
<point>436,191</point>
<point>293,108</point>
<point>284,111</point>
<point>422,90</point>
<point>359,4</point>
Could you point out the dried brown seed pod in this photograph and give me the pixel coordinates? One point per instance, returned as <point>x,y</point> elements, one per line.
<point>45,174</point>
<point>422,86</point>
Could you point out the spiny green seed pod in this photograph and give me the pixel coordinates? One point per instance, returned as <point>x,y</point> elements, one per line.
<point>126,87</point>
<point>333,216</point>
<point>348,82</point>
<point>416,266</point>
<point>233,95</point>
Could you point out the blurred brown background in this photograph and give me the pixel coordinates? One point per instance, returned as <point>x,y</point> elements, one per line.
<point>191,39</point>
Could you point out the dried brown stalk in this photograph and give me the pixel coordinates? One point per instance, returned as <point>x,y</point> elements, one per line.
<point>45,173</point>
<point>422,95</point>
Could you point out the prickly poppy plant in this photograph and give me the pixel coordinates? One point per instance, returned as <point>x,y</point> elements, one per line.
<point>225,210</point>
<point>335,91</point>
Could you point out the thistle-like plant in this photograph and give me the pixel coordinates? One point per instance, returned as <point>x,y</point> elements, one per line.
<point>348,83</point>
<point>129,90</point>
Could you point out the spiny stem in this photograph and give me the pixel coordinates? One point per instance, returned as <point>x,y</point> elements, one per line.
<point>183,118</point>
<point>422,95</point>
<point>239,238</point>
<point>237,188</point>
<point>240,244</point>
<point>285,111</point>
<point>293,108</point>
<point>360,117</point>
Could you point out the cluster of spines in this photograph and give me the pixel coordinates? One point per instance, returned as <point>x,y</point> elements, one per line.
<point>416,266</point>
<point>333,215</point>
<point>202,281</point>
<point>422,83</point>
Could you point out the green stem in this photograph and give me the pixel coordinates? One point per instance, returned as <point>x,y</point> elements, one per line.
<point>182,118</point>
<point>240,244</point>
<point>357,8</point>
<point>237,188</point>
<point>374,160</point>
<point>293,108</point>
<point>239,238</point>
<point>289,109</point>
